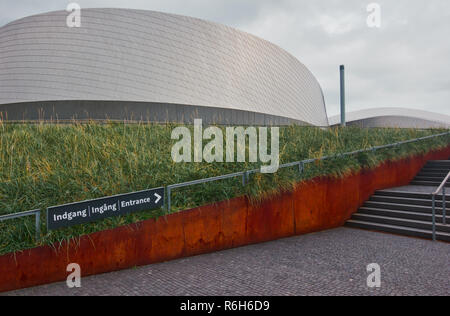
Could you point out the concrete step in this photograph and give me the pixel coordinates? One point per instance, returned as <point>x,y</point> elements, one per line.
<point>407,200</point>
<point>414,195</point>
<point>429,178</point>
<point>432,169</point>
<point>432,174</point>
<point>414,232</point>
<point>439,171</point>
<point>387,220</point>
<point>441,166</point>
<point>429,183</point>
<point>402,214</point>
<point>402,207</point>
<point>438,163</point>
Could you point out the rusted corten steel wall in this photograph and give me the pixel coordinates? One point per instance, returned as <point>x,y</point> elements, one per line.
<point>315,205</point>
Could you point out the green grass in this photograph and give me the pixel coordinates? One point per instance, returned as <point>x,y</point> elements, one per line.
<point>45,165</point>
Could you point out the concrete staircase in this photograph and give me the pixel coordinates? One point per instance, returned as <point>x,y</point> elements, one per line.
<point>433,173</point>
<point>408,212</point>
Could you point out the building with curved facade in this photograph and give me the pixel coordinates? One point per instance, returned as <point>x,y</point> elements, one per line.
<point>394,117</point>
<point>137,65</point>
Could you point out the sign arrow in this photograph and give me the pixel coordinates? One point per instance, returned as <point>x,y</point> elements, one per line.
<point>158,198</point>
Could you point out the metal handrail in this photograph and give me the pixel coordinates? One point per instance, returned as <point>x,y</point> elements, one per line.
<point>246,176</point>
<point>433,203</point>
<point>301,164</point>
<point>36,213</point>
<point>169,188</point>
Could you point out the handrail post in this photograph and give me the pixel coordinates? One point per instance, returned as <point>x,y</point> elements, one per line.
<point>301,167</point>
<point>168,199</point>
<point>433,203</point>
<point>444,211</point>
<point>441,188</point>
<point>38,225</point>
<point>245,178</point>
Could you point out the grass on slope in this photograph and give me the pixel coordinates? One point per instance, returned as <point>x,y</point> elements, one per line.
<point>45,165</point>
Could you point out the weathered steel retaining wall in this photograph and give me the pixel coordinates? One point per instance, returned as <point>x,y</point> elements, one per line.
<point>315,205</point>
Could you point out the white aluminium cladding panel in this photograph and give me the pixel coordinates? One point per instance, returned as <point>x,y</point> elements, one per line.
<point>147,56</point>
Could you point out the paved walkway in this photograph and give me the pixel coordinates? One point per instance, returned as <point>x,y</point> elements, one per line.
<point>327,263</point>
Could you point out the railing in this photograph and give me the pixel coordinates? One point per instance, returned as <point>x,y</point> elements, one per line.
<point>169,188</point>
<point>433,203</point>
<point>301,165</point>
<point>36,213</point>
<point>246,177</point>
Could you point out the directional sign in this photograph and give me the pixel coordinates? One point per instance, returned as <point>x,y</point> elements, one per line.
<point>93,210</point>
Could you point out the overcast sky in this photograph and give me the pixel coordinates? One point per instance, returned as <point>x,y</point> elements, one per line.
<point>405,63</point>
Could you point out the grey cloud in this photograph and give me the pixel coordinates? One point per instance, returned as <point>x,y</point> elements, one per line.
<point>403,64</point>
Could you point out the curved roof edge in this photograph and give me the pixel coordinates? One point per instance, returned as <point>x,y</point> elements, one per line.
<point>196,62</point>
<point>395,117</point>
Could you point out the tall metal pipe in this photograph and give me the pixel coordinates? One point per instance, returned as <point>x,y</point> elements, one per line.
<point>342,72</point>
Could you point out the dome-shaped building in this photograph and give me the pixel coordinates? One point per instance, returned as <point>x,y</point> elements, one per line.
<point>136,65</point>
<point>394,118</point>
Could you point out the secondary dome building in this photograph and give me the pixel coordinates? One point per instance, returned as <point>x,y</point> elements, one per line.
<point>143,65</point>
<point>394,117</point>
